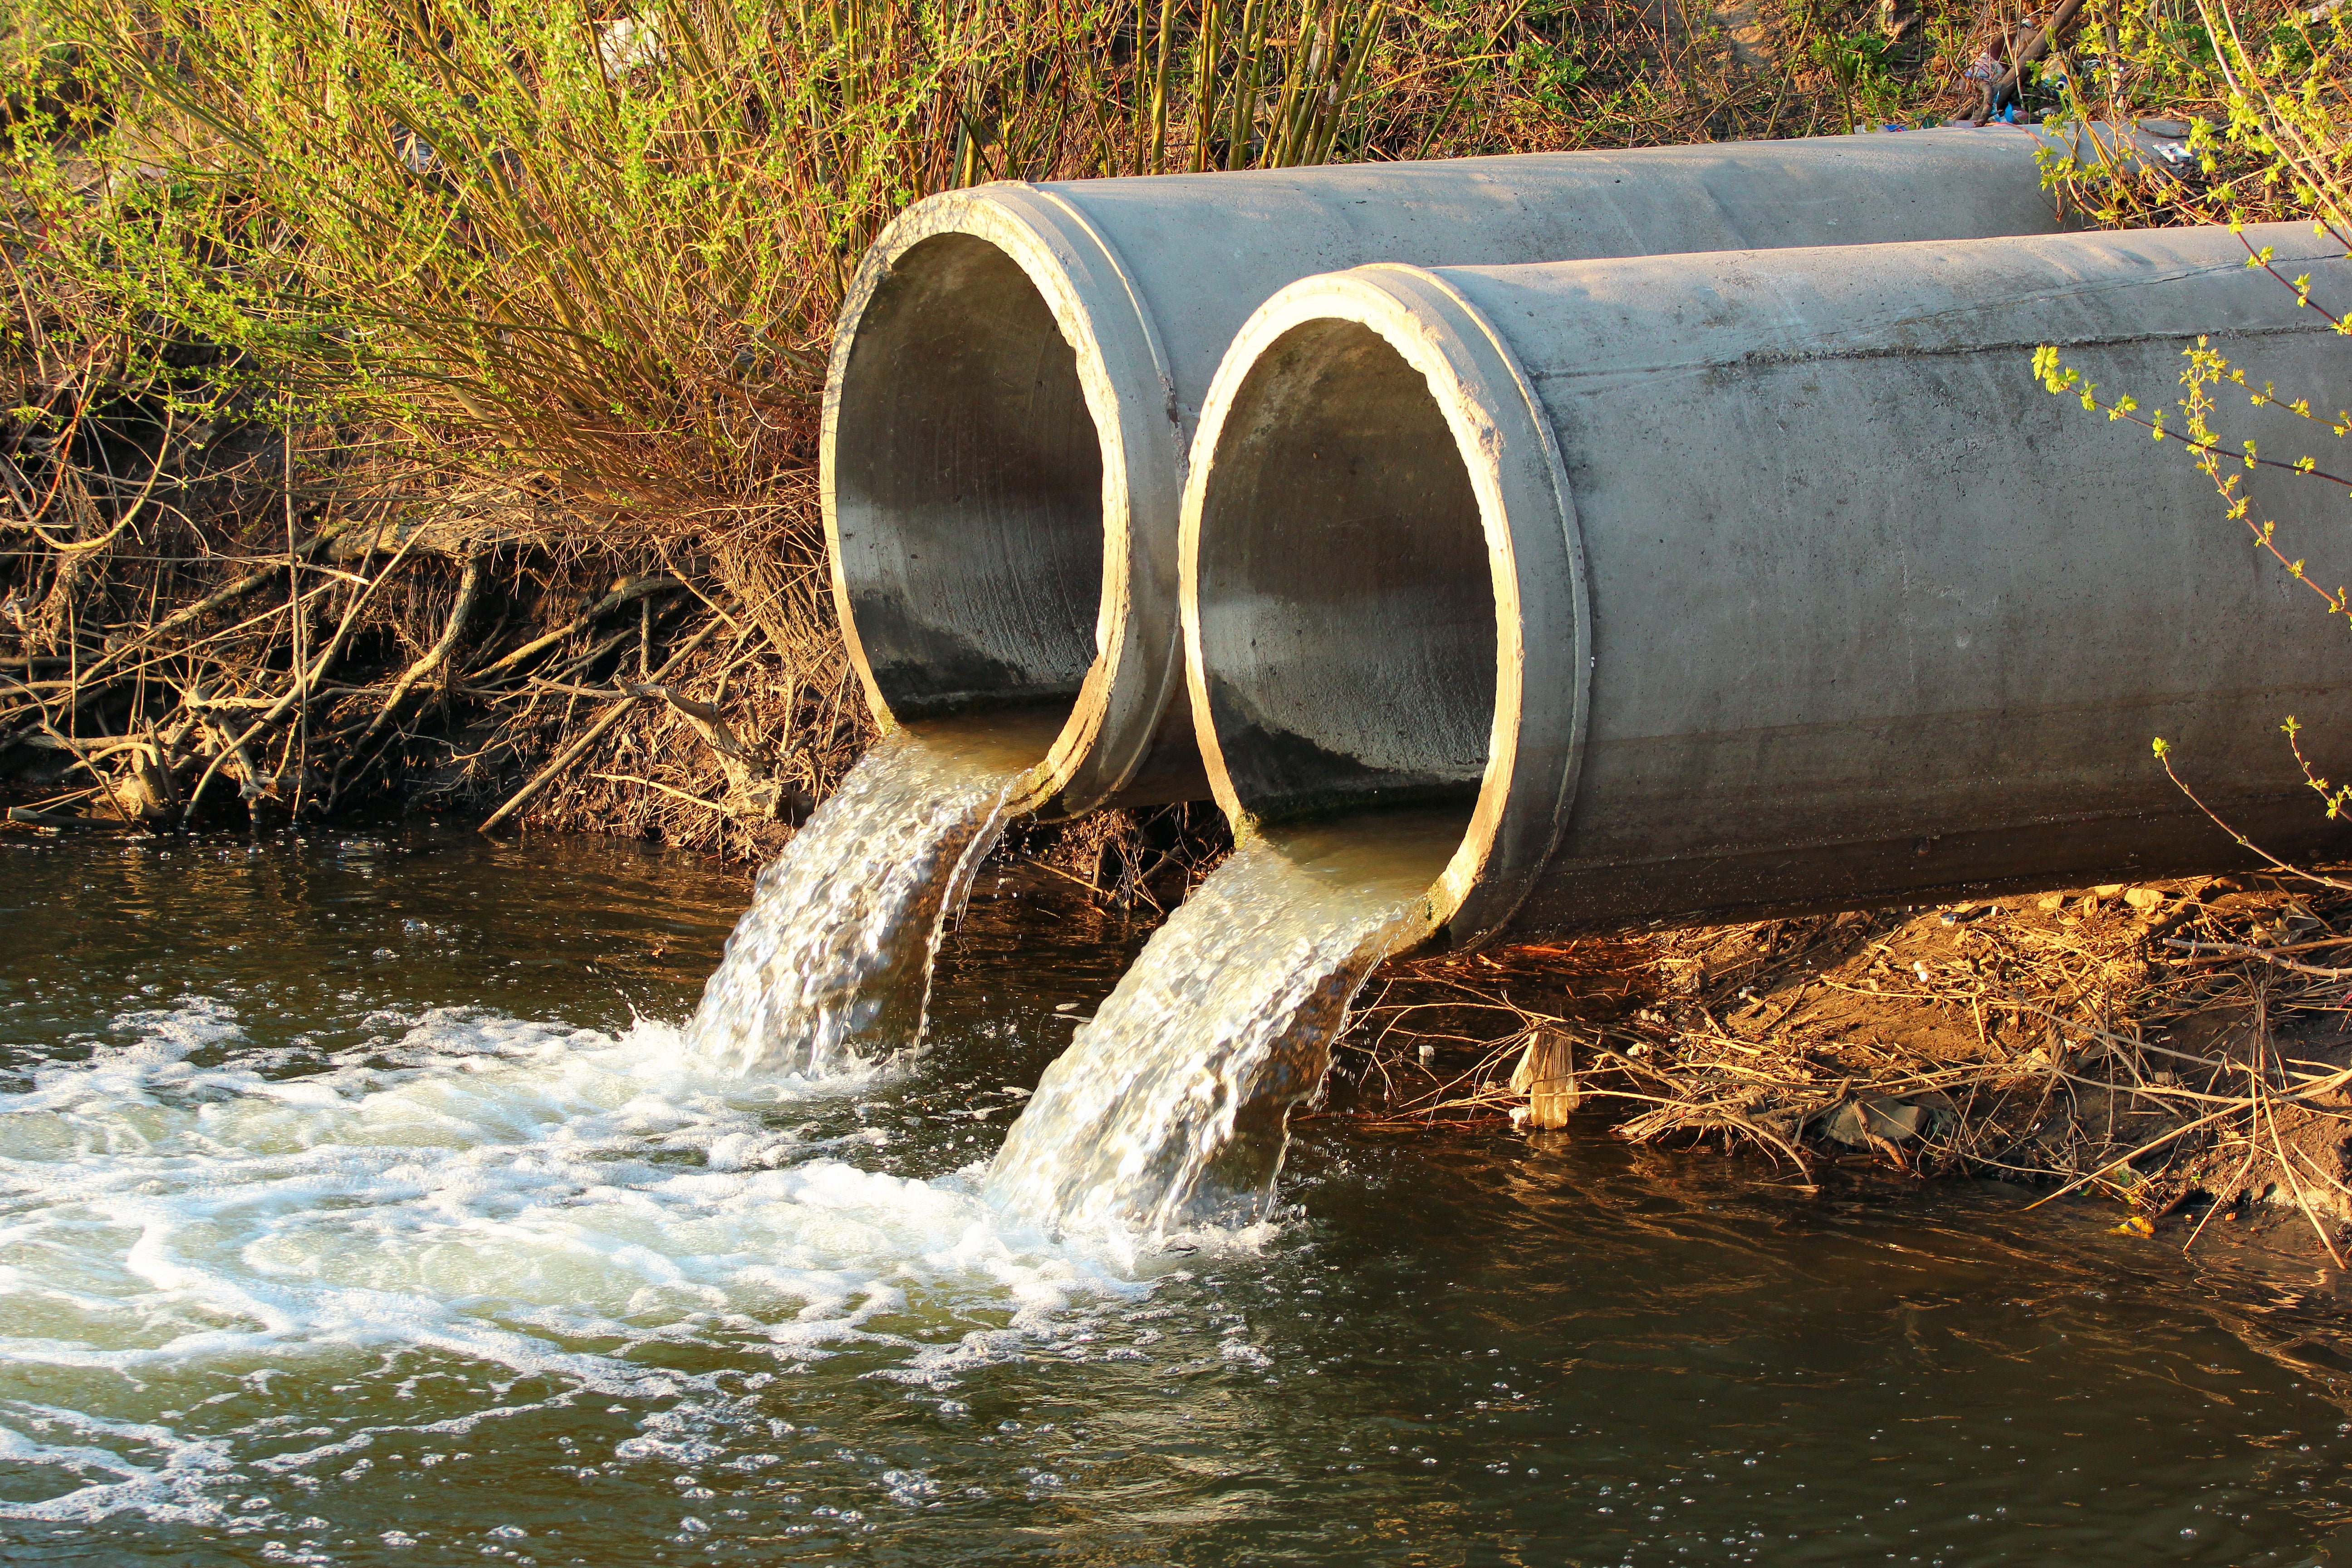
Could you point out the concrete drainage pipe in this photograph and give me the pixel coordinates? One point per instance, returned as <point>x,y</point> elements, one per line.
<point>1704,587</point>
<point>1018,368</point>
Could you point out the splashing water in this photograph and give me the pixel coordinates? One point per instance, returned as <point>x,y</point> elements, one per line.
<point>1169,1108</point>
<point>832,961</point>
<point>483,1208</point>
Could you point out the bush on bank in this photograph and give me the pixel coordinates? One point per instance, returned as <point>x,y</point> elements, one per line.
<point>553,283</point>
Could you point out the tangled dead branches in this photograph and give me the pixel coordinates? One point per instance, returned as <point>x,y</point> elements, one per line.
<point>2181,1046</point>
<point>287,627</point>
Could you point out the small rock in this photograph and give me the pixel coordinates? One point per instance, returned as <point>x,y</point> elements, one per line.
<point>2145,899</point>
<point>1856,1122</point>
<point>1891,1119</point>
<point>2106,889</point>
<point>1941,1114</point>
<point>1843,1124</point>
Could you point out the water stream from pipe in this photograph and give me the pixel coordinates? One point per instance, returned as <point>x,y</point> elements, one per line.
<point>1170,1106</point>
<point>832,962</point>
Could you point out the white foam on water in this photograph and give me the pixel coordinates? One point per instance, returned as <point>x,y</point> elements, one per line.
<point>528,1198</point>
<point>124,1467</point>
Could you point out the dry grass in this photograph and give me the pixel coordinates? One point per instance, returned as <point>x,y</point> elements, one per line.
<point>2181,1046</point>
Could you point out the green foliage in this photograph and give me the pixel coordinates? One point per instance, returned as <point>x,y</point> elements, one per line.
<point>2265,95</point>
<point>1552,71</point>
<point>599,247</point>
<point>1870,91</point>
<point>2266,91</point>
<point>2271,142</point>
<point>606,247</point>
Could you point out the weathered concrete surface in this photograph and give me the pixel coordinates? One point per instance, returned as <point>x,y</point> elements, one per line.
<point>1710,587</point>
<point>1019,369</point>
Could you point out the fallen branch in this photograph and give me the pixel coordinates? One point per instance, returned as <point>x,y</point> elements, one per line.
<point>2268,955</point>
<point>32,819</point>
<point>665,789</point>
<point>237,590</point>
<point>2052,33</point>
<point>469,587</point>
<point>626,592</point>
<point>304,677</point>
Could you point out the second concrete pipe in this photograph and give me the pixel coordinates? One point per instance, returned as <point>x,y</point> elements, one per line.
<point>1019,368</point>
<point>1709,586</point>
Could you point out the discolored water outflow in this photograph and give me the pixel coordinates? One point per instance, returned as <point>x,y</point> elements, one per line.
<point>832,962</point>
<point>357,1207</point>
<point>1169,1108</point>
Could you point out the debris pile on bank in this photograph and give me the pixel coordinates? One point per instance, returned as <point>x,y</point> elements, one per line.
<point>2180,1045</point>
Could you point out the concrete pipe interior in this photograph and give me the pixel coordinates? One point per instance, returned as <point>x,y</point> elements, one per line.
<point>1346,628</point>
<point>967,495</point>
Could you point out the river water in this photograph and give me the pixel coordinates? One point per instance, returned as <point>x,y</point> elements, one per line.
<point>359,1202</point>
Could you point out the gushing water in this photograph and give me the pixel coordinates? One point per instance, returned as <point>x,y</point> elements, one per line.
<point>832,962</point>
<point>1169,1109</point>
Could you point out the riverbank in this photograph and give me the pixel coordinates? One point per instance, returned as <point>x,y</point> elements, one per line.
<point>2180,1047</point>
<point>303,630</point>
<point>420,416</point>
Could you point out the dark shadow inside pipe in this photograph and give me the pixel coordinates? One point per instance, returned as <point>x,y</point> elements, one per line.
<point>1346,607</point>
<point>968,490</point>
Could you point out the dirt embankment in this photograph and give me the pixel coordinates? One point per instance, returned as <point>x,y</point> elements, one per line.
<point>2180,1046</point>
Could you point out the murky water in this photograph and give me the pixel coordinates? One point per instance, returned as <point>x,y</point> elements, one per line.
<point>1170,1107</point>
<point>359,1202</point>
<point>832,962</point>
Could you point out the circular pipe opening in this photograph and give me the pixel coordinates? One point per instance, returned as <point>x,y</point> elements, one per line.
<point>1387,635</point>
<point>1344,602</point>
<point>967,494</point>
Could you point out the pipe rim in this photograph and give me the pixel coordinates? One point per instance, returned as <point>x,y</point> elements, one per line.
<point>1099,309</point>
<point>1534,553</point>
